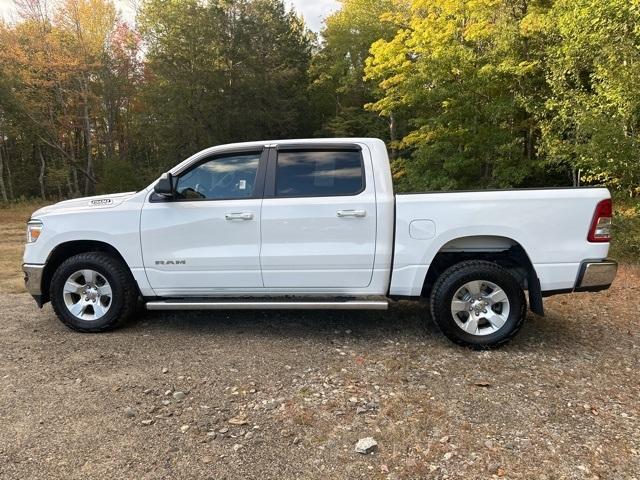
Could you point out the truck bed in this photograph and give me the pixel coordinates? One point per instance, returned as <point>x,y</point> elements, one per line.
<point>551,225</point>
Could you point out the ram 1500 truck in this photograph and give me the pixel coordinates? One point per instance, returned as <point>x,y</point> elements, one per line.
<point>314,224</point>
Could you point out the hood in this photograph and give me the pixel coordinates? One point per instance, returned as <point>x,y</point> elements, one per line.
<point>85,203</point>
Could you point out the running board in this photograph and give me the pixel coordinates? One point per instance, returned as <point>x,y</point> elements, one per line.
<point>267,305</point>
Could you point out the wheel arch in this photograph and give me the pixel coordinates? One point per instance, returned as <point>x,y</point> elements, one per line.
<point>68,249</point>
<point>502,250</point>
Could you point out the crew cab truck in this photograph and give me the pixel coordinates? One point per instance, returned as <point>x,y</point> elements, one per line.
<point>314,224</point>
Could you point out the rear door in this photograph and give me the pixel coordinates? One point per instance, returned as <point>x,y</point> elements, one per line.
<point>318,218</point>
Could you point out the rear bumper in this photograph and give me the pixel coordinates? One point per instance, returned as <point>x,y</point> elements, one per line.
<point>33,281</point>
<point>596,275</point>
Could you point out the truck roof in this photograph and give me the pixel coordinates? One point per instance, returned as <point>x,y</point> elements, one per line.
<point>370,141</point>
<point>299,140</point>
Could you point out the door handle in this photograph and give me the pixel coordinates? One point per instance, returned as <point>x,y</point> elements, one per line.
<point>351,213</point>
<point>239,216</point>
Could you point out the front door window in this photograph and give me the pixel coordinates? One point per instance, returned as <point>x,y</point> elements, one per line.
<point>221,178</point>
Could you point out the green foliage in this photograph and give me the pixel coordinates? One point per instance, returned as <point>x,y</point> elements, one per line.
<point>57,177</point>
<point>337,70</point>
<point>469,94</point>
<point>460,72</point>
<point>626,229</point>
<point>222,72</point>
<point>503,93</point>
<point>591,119</point>
<point>118,175</point>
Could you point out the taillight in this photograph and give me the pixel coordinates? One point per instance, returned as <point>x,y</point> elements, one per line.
<point>600,230</point>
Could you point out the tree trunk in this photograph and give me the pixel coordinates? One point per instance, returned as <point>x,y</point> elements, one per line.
<point>87,139</point>
<point>69,186</point>
<point>110,128</point>
<point>74,170</point>
<point>9,177</point>
<point>42,170</point>
<point>76,184</point>
<point>3,191</point>
<point>4,152</point>
<point>530,144</point>
<point>393,135</point>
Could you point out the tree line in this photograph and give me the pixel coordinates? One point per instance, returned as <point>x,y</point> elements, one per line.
<point>468,94</point>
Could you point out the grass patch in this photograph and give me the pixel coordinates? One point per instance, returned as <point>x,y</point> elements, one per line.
<point>13,219</point>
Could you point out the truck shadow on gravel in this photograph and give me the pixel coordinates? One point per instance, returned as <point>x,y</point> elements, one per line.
<point>405,322</point>
<point>399,321</point>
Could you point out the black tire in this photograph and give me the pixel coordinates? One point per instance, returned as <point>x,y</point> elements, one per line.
<point>460,274</point>
<point>124,291</point>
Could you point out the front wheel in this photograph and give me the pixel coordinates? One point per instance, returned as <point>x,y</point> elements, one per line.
<point>93,292</point>
<point>478,304</point>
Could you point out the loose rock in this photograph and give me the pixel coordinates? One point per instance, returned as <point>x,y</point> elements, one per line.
<point>366,445</point>
<point>238,420</point>
<point>179,396</point>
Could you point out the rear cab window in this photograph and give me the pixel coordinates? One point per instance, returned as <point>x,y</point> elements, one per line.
<point>319,173</point>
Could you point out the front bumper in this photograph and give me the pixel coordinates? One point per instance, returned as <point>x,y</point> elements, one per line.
<point>33,281</point>
<point>596,275</point>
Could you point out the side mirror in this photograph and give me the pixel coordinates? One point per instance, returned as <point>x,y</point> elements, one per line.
<point>165,185</point>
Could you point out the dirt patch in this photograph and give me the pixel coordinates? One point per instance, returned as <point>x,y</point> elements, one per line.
<point>288,395</point>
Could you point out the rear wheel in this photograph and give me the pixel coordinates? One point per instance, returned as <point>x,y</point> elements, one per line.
<point>478,304</point>
<point>93,292</point>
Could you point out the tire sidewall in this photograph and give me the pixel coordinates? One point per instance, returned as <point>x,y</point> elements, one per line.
<point>445,292</point>
<point>71,266</point>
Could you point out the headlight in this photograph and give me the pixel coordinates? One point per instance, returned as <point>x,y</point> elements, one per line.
<point>34,229</point>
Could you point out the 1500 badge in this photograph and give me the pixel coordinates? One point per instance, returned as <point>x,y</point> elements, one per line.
<point>101,201</point>
<point>171,262</point>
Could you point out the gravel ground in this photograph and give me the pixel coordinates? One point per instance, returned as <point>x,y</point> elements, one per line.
<point>289,394</point>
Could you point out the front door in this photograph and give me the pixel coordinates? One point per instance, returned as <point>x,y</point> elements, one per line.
<point>207,238</point>
<point>318,219</point>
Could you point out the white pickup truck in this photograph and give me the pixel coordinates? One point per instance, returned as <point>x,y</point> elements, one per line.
<point>314,224</point>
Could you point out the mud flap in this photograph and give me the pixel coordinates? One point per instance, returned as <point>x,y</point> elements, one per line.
<point>535,295</point>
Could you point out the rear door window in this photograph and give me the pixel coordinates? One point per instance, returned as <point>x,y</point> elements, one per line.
<point>319,173</point>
